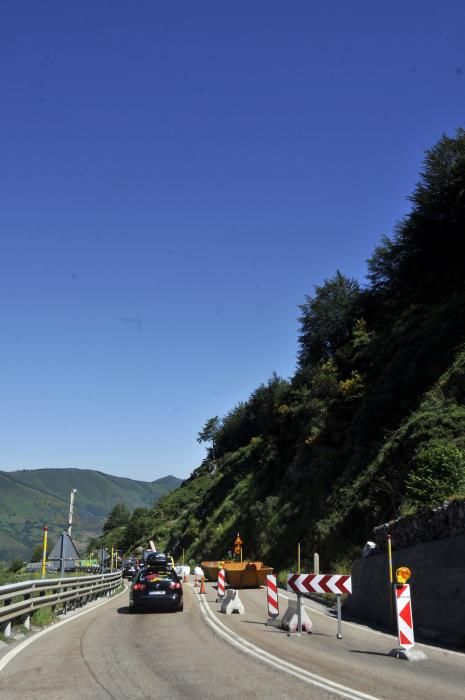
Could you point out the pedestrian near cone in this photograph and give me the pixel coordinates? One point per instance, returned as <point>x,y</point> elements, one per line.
<point>198,573</point>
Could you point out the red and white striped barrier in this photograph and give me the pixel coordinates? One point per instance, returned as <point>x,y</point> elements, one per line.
<point>319,583</point>
<point>272,596</point>
<point>404,616</point>
<point>221,586</point>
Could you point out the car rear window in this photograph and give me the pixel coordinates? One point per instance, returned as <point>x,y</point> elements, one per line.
<point>154,574</point>
<point>155,557</point>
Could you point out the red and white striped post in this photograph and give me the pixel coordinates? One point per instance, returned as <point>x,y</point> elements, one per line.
<point>221,585</point>
<point>405,634</point>
<point>272,597</point>
<point>404,616</point>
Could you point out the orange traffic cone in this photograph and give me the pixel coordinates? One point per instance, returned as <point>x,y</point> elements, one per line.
<point>203,588</point>
<point>185,579</point>
<point>196,580</point>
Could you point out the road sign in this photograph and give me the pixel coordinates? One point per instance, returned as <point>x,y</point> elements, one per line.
<point>238,541</point>
<point>404,616</point>
<point>319,583</point>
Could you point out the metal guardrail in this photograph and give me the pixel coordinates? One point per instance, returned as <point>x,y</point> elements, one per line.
<point>18,601</point>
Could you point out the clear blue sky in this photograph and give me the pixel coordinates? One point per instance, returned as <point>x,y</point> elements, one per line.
<point>175,177</point>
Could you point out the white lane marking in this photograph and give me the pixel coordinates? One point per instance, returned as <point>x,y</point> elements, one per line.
<point>277,663</point>
<point>37,635</point>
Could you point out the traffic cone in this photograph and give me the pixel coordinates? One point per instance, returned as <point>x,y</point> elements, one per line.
<point>185,579</point>
<point>196,580</point>
<point>203,588</point>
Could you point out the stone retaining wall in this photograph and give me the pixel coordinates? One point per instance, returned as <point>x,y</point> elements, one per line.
<point>438,574</point>
<point>438,523</point>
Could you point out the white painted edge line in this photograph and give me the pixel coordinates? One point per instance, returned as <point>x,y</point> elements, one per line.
<point>365,628</point>
<point>279,664</point>
<point>37,635</point>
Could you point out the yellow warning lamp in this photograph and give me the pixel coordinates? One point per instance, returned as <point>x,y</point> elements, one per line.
<point>403,574</point>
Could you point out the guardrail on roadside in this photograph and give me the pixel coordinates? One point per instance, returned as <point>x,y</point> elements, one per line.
<point>18,601</point>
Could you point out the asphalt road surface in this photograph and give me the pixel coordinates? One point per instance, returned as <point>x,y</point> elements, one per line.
<point>108,653</point>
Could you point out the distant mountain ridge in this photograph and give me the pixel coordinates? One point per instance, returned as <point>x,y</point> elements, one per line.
<point>32,498</point>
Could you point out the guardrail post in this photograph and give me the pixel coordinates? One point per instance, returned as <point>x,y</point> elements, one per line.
<point>27,619</point>
<point>7,627</point>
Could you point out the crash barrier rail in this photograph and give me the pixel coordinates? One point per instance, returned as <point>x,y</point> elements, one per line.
<point>18,601</point>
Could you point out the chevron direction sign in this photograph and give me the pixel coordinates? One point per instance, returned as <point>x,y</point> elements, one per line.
<point>404,616</point>
<point>319,583</point>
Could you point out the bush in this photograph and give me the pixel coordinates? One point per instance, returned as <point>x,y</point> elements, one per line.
<point>15,566</point>
<point>43,617</point>
<point>438,473</point>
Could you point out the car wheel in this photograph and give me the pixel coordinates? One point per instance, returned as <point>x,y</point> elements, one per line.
<point>181,607</point>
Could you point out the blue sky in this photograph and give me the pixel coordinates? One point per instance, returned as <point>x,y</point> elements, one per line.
<point>174,178</point>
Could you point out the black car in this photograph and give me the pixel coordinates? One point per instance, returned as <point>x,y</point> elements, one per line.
<point>156,588</point>
<point>129,568</point>
<point>158,559</point>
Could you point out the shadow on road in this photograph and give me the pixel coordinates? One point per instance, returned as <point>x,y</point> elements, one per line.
<point>370,653</point>
<point>125,610</point>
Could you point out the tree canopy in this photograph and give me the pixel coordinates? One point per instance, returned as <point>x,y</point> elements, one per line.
<point>327,319</point>
<point>118,517</point>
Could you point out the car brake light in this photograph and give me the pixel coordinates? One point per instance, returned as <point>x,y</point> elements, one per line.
<point>175,586</point>
<point>139,587</point>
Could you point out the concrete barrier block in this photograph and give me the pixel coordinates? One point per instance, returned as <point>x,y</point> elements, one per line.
<point>232,603</point>
<point>290,620</point>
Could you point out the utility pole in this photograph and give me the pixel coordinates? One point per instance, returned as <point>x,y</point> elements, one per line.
<point>71,506</point>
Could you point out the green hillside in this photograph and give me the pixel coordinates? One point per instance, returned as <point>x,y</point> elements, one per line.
<point>31,498</point>
<point>371,425</point>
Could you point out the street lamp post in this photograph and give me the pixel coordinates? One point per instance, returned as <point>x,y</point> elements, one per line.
<point>71,507</point>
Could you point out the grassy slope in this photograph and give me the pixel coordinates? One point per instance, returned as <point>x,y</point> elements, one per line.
<point>330,495</point>
<point>322,458</point>
<point>31,498</point>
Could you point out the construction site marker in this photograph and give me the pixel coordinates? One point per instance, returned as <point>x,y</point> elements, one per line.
<point>221,586</point>
<point>405,624</point>
<point>321,583</point>
<point>272,596</point>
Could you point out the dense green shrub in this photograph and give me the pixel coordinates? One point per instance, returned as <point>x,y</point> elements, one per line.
<point>438,472</point>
